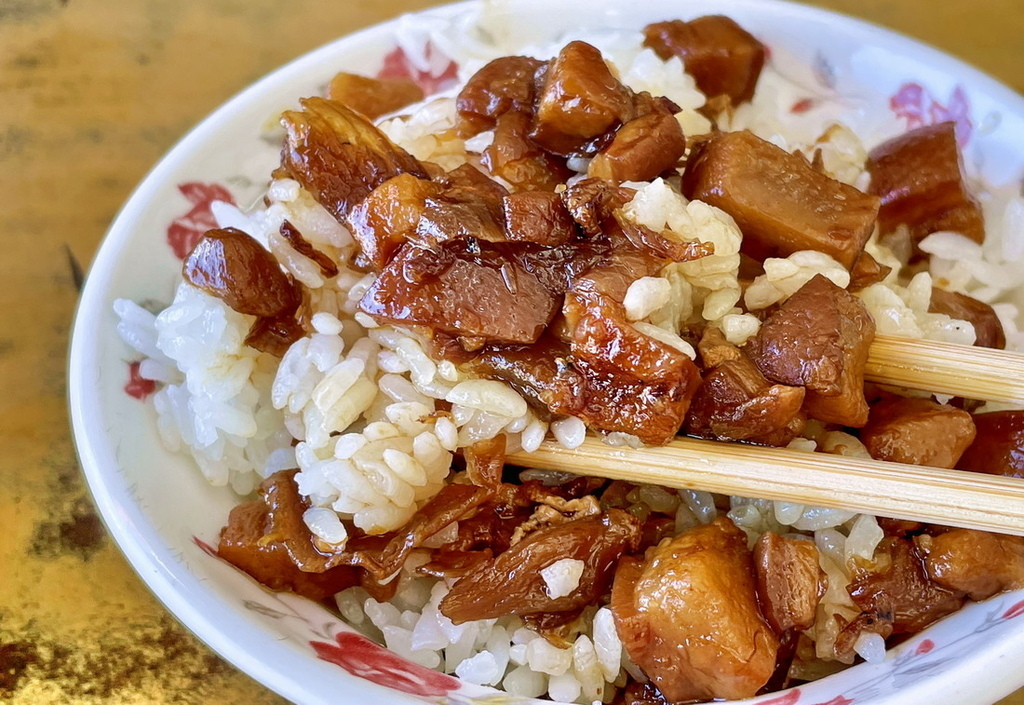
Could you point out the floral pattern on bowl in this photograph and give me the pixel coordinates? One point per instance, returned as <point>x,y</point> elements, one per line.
<point>155,503</point>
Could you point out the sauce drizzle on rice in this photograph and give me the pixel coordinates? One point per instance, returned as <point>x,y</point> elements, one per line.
<point>577,243</point>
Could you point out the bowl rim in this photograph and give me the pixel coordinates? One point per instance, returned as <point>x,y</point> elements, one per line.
<point>134,534</point>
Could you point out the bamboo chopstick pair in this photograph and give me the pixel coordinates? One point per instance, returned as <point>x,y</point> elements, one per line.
<point>934,495</point>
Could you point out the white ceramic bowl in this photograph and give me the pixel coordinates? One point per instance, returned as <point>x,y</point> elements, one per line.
<point>161,511</point>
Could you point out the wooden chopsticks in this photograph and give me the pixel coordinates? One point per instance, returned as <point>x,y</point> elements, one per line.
<point>934,495</point>
<point>944,368</point>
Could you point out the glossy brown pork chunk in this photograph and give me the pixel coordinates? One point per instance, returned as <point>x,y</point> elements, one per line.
<point>373,97</point>
<point>819,339</point>
<point>998,447</point>
<point>723,58</point>
<point>977,563</point>
<point>641,149</point>
<point>790,583</point>
<point>780,203</point>
<point>635,383</point>
<point>896,591</point>
<point>389,215</point>
<point>230,265</point>
<point>263,539</point>
<point>469,206</point>
<point>339,156</point>
<point>917,431</point>
<point>920,180</point>
<point>512,583</point>
<point>579,101</point>
<point>456,205</point>
<point>736,402</point>
<point>688,616</point>
<point>472,291</point>
<point>539,217</point>
<point>516,158</point>
<point>505,85</point>
<point>987,328</point>
<point>244,543</point>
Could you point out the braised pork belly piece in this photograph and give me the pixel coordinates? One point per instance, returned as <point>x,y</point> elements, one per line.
<point>790,583</point>
<point>268,540</point>
<point>539,217</point>
<point>977,563</point>
<point>895,589</point>
<point>373,97</point>
<point>819,339</point>
<point>247,544</point>
<point>723,58</point>
<point>619,361</point>
<point>516,158</point>
<point>389,215</point>
<point>542,373</point>
<point>580,101</point>
<point>513,583</point>
<point>339,156</point>
<point>505,85</point>
<point>987,328</point>
<point>481,291</point>
<point>919,178</point>
<point>688,616</point>
<point>646,146</point>
<point>998,447</point>
<point>470,206</point>
<point>866,271</point>
<point>917,431</point>
<point>231,266</point>
<point>735,402</point>
<point>641,149</point>
<point>780,203</point>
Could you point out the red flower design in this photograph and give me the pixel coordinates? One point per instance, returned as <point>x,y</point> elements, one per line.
<point>205,547</point>
<point>838,700</point>
<point>791,697</point>
<point>137,387</point>
<point>441,75</point>
<point>915,104</point>
<point>364,659</point>
<point>924,647</point>
<point>802,105</point>
<point>1016,611</point>
<point>185,231</point>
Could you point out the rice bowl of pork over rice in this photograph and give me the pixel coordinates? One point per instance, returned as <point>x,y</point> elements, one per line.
<point>319,326</point>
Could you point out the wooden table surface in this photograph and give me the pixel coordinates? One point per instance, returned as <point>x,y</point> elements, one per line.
<point>93,92</point>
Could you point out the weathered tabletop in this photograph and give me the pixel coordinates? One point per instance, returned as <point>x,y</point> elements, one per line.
<point>92,92</point>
